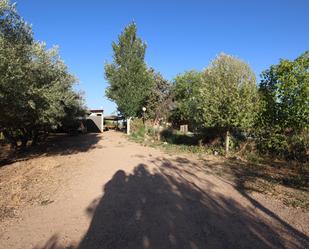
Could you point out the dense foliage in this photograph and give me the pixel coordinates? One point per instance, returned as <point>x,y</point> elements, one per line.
<point>36,92</point>
<point>284,117</point>
<point>227,97</point>
<point>185,90</point>
<point>222,105</point>
<point>35,86</point>
<point>159,101</point>
<point>224,96</point>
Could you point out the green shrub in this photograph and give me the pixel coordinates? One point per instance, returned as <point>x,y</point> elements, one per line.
<point>138,130</point>
<point>151,132</point>
<point>175,137</point>
<point>287,146</point>
<point>136,124</point>
<point>299,147</point>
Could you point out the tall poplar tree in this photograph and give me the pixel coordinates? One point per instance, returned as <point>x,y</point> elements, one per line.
<point>130,81</point>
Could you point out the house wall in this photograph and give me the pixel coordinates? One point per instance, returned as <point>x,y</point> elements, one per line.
<point>94,123</point>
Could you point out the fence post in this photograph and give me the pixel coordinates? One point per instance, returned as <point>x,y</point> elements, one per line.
<point>128,125</point>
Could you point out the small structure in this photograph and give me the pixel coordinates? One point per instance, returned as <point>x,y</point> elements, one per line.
<point>112,122</point>
<point>95,121</point>
<point>184,129</point>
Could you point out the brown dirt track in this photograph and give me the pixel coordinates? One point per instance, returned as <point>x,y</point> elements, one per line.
<point>102,191</point>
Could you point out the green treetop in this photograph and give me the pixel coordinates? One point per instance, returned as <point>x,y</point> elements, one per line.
<point>129,79</point>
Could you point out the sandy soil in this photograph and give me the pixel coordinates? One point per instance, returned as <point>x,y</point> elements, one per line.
<point>102,191</point>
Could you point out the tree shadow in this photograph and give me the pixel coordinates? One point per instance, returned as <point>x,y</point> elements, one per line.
<point>53,243</point>
<point>55,144</point>
<point>167,208</point>
<point>292,176</point>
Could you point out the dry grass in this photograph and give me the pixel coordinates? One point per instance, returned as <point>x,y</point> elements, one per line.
<point>285,181</point>
<point>33,176</point>
<point>282,180</point>
<point>27,182</point>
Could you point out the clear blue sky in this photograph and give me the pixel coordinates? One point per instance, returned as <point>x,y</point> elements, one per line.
<point>181,35</point>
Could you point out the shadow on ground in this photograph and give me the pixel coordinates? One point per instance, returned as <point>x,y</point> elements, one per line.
<point>172,207</point>
<point>55,144</point>
<point>287,174</point>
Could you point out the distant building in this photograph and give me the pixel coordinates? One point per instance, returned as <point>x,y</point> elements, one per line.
<point>95,121</point>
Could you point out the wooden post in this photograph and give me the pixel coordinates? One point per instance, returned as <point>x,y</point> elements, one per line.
<point>128,125</point>
<point>227,142</point>
<point>102,123</point>
<point>184,129</point>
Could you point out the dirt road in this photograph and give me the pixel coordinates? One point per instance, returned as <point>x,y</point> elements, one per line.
<point>105,192</point>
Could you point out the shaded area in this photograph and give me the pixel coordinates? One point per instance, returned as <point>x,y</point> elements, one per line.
<point>93,124</point>
<point>172,207</point>
<point>287,182</point>
<point>173,137</point>
<point>55,144</point>
<point>211,136</point>
<point>53,243</point>
<point>288,174</point>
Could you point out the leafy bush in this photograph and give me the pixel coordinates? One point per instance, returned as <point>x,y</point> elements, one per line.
<point>299,147</point>
<point>136,125</point>
<point>138,130</point>
<point>286,146</point>
<point>283,121</point>
<point>36,88</point>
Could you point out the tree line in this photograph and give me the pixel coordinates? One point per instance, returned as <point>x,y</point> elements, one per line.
<point>224,99</point>
<point>36,88</point>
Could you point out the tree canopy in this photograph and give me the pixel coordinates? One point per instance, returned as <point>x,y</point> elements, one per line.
<point>285,91</point>
<point>185,91</point>
<point>223,96</point>
<point>283,127</point>
<point>35,86</point>
<point>159,100</point>
<point>129,78</point>
<point>228,95</point>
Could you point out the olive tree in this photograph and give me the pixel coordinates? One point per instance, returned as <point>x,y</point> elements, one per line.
<point>35,86</point>
<point>227,97</point>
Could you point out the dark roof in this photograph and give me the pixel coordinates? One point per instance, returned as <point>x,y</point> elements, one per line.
<point>96,110</point>
<point>113,117</point>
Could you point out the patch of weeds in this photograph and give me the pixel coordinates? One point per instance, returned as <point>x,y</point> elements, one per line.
<point>153,145</point>
<point>253,158</point>
<point>220,173</point>
<point>296,200</point>
<point>297,181</point>
<point>182,148</point>
<point>46,202</point>
<point>136,138</point>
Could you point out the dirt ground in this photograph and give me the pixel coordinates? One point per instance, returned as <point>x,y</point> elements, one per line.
<point>102,191</point>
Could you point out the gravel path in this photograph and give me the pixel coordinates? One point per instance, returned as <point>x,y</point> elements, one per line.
<point>110,193</point>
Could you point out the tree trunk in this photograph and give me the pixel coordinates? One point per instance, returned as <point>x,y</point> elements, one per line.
<point>24,138</point>
<point>24,141</point>
<point>35,136</point>
<point>23,144</point>
<point>10,139</point>
<point>227,142</point>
